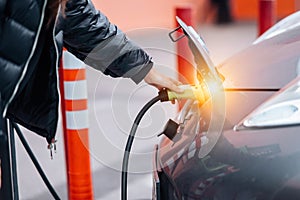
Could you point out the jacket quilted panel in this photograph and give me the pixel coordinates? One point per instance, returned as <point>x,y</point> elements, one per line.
<point>29,57</point>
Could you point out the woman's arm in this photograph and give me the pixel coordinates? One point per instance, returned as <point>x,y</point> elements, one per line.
<point>90,36</point>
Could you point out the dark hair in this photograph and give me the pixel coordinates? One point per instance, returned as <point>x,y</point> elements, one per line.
<point>52,9</point>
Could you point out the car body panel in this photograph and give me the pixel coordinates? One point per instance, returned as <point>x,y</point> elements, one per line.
<point>277,58</point>
<point>248,164</point>
<point>282,109</point>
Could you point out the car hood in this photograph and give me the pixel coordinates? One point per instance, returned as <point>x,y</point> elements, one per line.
<point>271,63</point>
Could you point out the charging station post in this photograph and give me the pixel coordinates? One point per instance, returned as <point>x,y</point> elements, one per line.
<point>266,15</point>
<point>185,69</point>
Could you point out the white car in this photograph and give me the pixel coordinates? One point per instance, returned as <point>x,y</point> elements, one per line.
<point>244,141</point>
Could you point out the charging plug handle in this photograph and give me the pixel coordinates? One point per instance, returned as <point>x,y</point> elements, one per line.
<point>194,92</point>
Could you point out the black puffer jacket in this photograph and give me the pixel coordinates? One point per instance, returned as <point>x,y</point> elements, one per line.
<point>29,57</point>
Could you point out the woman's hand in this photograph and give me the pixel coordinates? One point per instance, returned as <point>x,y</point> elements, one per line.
<point>160,81</point>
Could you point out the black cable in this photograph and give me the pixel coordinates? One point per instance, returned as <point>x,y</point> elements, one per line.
<point>35,162</point>
<point>129,144</point>
<point>13,161</point>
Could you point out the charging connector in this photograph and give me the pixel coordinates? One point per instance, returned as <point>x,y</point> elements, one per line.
<point>189,92</point>
<point>195,92</point>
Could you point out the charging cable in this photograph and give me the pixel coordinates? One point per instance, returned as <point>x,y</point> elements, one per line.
<point>189,92</point>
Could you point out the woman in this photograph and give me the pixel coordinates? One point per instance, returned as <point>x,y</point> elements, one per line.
<point>32,35</point>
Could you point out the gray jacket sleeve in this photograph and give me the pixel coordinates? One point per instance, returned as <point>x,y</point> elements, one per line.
<point>90,36</point>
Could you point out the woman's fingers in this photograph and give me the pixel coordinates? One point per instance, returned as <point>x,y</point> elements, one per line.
<point>160,81</point>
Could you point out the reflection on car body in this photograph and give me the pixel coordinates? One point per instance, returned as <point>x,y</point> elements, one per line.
<point>260,158</point>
